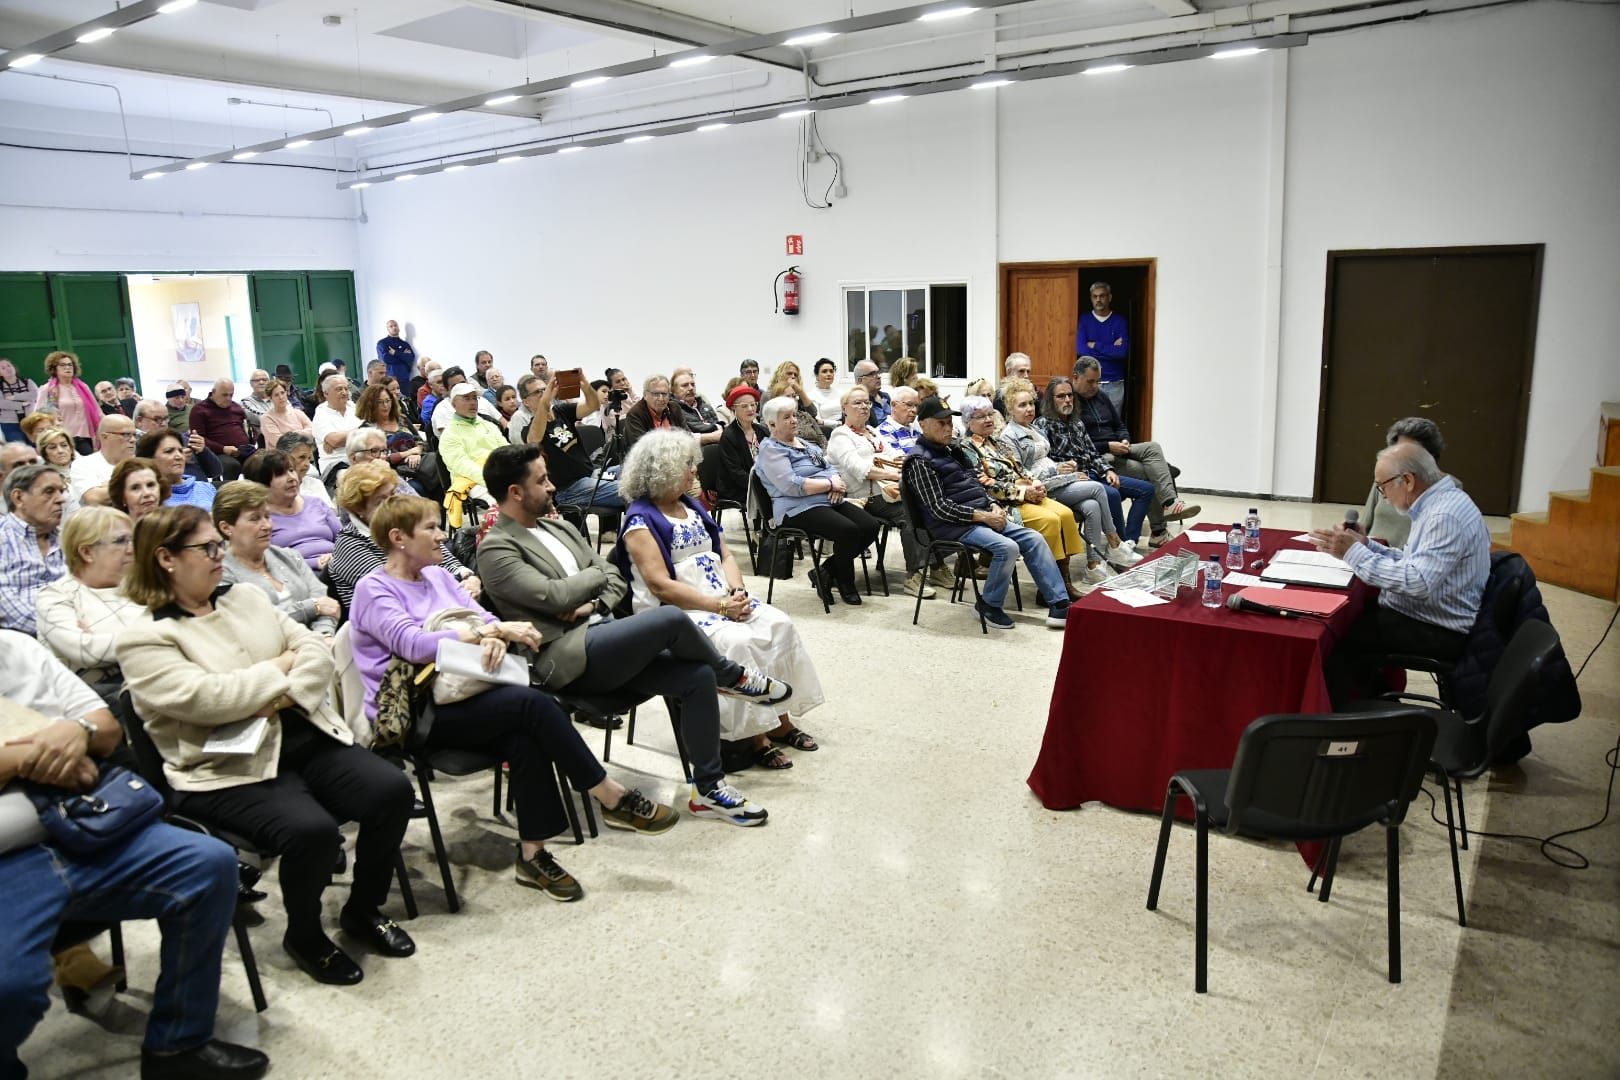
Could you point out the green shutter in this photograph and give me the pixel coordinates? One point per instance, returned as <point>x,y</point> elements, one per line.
<point>303,320</point>
<point>86,314</point>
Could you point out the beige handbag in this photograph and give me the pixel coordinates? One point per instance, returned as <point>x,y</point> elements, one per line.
<point>447,688</point>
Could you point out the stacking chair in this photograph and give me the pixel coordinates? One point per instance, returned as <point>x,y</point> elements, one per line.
<point>1464,747</point>
<point>1304,777</point>
<point>960,554</point>
<point>720,507</point>
<point>760,499</point>
<point>1503,607</point>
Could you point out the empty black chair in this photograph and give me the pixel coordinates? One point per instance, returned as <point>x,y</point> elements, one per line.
<point>1306,777</point>
<point>1465,747</point>
<point>782,534</point>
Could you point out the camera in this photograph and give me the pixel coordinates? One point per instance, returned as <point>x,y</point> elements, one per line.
<point>617,398</point>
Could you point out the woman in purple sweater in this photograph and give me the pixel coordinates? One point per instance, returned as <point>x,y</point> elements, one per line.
<point>308,526</point>
<point>527,728</point>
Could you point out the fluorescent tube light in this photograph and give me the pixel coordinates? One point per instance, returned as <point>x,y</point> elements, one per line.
<point>572,149</point>
<point>502,99</point>
<point>639,138</point>
<point>691,61</point>
<point>594,80</point>
<point>296,144</point>
<point>946,13</point>
<point>175,5</point>
<point>244,155</point>
<point>360,129</point>
<point>100,33</point>
<point>155,175</point>
<point>1106,69</point>
<point>509,159</point>
<point>195,165</point>
<point>26,60</point>
<point>454,168</point>
<point>359,184</point>
<point>713,127</point>
<point>815,38</point>
<point>990,84</point>
<point>1232,54</point>
<point>419,117</point>
<point>402,177</point>
<point>888,99</point>
<point>794,114</point>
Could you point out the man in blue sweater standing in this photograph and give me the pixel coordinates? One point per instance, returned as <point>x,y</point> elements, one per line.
<point>398,354</point>
<point>1104,334</point>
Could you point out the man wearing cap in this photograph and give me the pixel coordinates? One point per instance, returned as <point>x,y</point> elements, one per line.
<point>957,507</point>
<point>222,423</point>
<point>468,438</point>
<point>178,402</point>
<point>397,354</point>
<point>442,410</point>
<point>89,473</point>
<point>555,430</point>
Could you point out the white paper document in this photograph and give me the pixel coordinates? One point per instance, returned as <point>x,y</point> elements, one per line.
<point>1237,577</point>
<point>1205,536</point>
<point>467,660</point>
<point>241,737</point>
<point>1135,597</point>
<point>1309,568</point>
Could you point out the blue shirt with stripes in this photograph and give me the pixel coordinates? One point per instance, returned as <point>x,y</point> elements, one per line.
<point>1439,578</point>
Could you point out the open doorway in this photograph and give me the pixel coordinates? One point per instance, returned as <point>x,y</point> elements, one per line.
<point>196,327</point>
<point>1041,307</point>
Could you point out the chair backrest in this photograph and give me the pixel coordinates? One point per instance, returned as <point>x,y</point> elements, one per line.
<point>349,687</point>
<point>1333,773</point>
<point>591,439</point>
<point>148,762</point>
<point>760,500</point>
<point>1513,686</point>
<point>915,514</point>
<point>1507,596</point>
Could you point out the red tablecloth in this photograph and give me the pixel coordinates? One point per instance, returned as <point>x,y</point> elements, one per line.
<point>1143,692</point>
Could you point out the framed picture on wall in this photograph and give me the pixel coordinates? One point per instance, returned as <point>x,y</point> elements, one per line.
<point>188,339</point>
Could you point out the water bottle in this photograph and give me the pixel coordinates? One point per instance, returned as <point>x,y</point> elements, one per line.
<point>1234,547</point>
<point>1212,583</point>
<point>1251,530</point>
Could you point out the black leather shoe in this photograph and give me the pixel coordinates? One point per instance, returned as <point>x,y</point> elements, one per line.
<point>214,1058</point>
<point>850,596</point>
<point>822,586</point>
<point>378,931</point>
<point>329,964</point>
<point>247,894</point>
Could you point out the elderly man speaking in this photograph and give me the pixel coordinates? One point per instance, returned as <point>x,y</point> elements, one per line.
<point>1431,591</point>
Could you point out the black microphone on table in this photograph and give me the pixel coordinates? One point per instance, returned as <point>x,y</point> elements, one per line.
<point>1238,603</point>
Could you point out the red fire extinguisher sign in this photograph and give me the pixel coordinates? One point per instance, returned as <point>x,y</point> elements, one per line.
<point>795,244</point>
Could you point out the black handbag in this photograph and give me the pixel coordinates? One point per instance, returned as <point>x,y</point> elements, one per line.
<point>81,823</point>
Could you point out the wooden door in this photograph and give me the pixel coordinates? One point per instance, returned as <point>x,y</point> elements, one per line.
<point>1041,310</point>
<point>1446,333</point>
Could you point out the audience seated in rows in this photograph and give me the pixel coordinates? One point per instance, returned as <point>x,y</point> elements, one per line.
<point>223,425</point>
<point>333,420</point>
<point>201,464</point>
<point>444,411</point>
<point>957,506</point>
<point>1069,444</point>
<point>539,569</point>
<point>1141,460</point>
<point>739,443</point>
<point>360,494</point>
<point>578,481</point>
<point>305,526</point>
<point>672,553</point>
<point>81,613</point>
<point>30,541</point>
<point>787,382</point>
<point>379,409</point>
<point>89,473</point>
<point>56,732</point>
<point>299,447</point>
<point>216,655</point>
<point>167,450</point>
<point>807,489</point>
<point>242,516</point>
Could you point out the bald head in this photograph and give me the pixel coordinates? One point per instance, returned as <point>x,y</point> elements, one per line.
<point>13,454</point>
<point>117,434</point>
<point>222,392</point>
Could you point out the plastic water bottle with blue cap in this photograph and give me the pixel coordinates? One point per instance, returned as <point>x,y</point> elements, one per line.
<point>1251,530</point>
<point>1212,583</point>
<point>1234,547</point>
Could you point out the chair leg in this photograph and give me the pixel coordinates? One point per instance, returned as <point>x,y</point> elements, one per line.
<point>1332,868</point>
<point>115,935</point>
<point>607,743</point>
<point>1171,797</point>
<point>967,564</point>
<point>674,708</point>
<point>770,575</point>
<point>866,574</point>
<point>439,852</point>
<point>567,792</point>
<point>630,728</point>
<point>1392,845</point>
<point>1451,835</point>
<point>1018,595</point>
<point>1201,912</point>
<point>585,801</point>
<point>496,811</point>
<point>1462,817</point>
<point>815,568</point>
<point>250,965</point>
<point>1317,867</point>
<point>916,610</point>
<point>406,893</point>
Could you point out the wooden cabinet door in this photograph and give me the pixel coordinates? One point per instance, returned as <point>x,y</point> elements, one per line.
<point>1042,310</point>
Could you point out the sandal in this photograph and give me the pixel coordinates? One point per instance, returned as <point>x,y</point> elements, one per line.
<point>771,757</point>
<point>799,740</point>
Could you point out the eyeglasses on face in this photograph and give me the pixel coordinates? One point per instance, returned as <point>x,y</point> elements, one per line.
<point>211,549</point>
<point>121,540</point>
<point>1380,484</point>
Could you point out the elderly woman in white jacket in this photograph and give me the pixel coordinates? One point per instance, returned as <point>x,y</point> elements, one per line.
<point>80,615</point>
<point>870,467</point>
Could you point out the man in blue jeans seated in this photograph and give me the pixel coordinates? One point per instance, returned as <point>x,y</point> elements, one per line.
<point>53,731</point>
<point>555,431</point>
<point>958,508</point>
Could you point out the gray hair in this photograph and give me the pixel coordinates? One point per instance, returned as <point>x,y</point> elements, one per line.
<point>973,405</point>
<point>1412,458</point>
<point>294,440</point>
<point>904,394</point>
<point>1085,364</point>
<point>155,409</point>
<point>772,410</point>
<point>359,437</point>
<point>652,381</point>
<point>1008,363</point>
<point>656,466</point>
<point>1100,285</point>
<point>1421,430</point>
<point>124,382</point>
<point>24,476</point>
<point>865,368</point>
<point>859,389</point>
<point>526,381</point>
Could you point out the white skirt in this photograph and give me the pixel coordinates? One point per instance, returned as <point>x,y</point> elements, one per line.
<point>767,642</point>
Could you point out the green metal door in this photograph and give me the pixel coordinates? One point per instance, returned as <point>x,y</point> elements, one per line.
<point>87,314</point>
<point>304,320</point>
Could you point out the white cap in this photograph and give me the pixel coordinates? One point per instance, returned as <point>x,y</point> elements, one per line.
<point>462,389</point>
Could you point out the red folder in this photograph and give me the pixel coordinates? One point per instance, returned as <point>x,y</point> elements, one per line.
<point>1300,601</point>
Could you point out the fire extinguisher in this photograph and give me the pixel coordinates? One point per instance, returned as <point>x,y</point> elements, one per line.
<point>789,302</point>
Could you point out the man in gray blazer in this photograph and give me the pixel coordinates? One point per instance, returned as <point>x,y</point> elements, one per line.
<point>540,569</point>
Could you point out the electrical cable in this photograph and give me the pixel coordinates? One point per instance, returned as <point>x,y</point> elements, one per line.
<point>1546,844</point>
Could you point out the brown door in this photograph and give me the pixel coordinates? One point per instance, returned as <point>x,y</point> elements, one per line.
<point>1042,310</point>
<point>1445,333</point>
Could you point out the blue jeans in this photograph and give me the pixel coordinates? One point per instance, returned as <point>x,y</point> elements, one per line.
<point>184,880</point>
<point>1004,547</point>
<point>579,493</point>
<point>1140,492</point>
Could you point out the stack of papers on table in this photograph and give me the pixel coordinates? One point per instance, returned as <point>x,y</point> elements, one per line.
<point>1308,568</point>
<point>1204,536</point>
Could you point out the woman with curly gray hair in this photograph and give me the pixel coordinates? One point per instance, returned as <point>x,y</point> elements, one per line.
<point>672,552</point>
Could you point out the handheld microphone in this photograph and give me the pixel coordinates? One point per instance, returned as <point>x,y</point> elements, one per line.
<point>1238,603</point>
<point>1352,520</point>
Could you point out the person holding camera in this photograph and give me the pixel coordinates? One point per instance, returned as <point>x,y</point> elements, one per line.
<point>554,430</point>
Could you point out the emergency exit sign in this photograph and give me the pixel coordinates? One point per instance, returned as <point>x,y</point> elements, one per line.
<point>795,244</point>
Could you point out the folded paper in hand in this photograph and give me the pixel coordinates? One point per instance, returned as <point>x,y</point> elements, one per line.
<point>467,660</point>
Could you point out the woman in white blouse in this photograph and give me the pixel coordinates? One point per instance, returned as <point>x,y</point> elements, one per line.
<point>81,614</point>
<point>870,467</point>
<point>825,395</point>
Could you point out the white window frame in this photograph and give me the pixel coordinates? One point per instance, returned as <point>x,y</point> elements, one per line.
<point>903,284</point>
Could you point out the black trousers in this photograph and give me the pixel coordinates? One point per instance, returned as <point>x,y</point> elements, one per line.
<point>850,529</point>
<point>319,783</point>
<point>530,731</point>
<point>1353,671</point>
<point>662,652</point>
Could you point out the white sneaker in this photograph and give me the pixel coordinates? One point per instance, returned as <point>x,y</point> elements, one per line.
<point>758,687</point>
<point>1096,574</point>
<point>1124,555</point>
<point>726,803</point>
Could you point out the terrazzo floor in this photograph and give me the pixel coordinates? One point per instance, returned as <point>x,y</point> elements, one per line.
<point>912,910</point>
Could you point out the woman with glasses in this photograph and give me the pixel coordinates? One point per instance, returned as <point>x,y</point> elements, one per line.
<point>220,662</point>
<point>81,614</point>
<point>242,516</point>
<point>303,525</point>
<point>73,403</point>
<point>379,408</point>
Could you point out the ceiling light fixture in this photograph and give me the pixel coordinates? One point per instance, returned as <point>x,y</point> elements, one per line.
<point>713,127</point>
<point>691,61</point>
<point>639,138</point>
<point>244,155</point>
<point>990,84</point>
<point>297,144</point>
<point>814,38</point>
<point>889,99</point>
<point>946,13</point>
<point>156,174</point>
<point>454,168</point>
<point>402,177</point>
<point>100,33</point>
<point>419,117</point>
<point>195,165</point>
<point>794,114</point>
<point>1233,54</point>
<point>572,149</point>
<point>509,159</point>
<point>26,60</point>
<point>1106,69</point>
<point>359,129</point>
<point>501,99</point>
<point>358,184</point>
<point>594,80</point>
<point>175,5</point>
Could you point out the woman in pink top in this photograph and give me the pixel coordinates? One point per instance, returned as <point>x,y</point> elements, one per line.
<point>282,416</point>
<point>74,403</point>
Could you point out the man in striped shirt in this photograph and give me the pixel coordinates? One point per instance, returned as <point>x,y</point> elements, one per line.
<point>1430,591</point>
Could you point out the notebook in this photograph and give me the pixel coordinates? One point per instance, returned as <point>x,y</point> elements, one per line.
<point>1308,568</point>
<point>1299,601</point>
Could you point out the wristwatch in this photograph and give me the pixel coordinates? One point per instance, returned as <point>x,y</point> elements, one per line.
<point>90,729</point>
